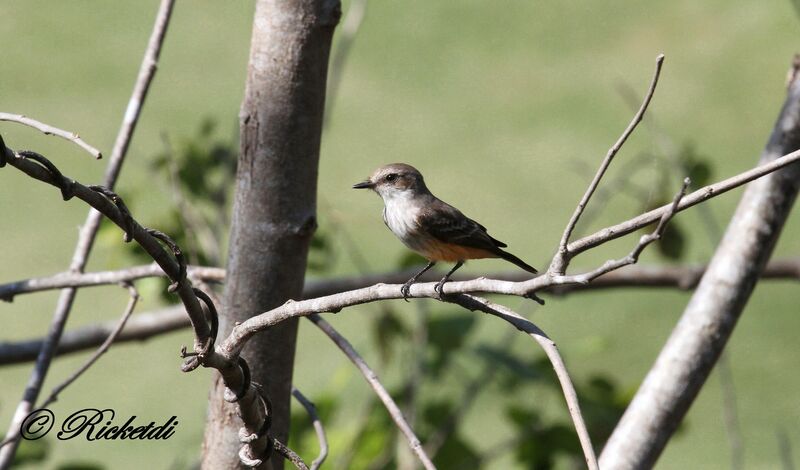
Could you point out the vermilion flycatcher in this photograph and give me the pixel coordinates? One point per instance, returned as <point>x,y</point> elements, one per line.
<point>430,226</point>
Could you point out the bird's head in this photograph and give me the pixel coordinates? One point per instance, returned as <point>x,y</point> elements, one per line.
<point>395,180</point>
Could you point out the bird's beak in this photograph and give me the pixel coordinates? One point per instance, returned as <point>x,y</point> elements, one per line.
<point>364,185</point>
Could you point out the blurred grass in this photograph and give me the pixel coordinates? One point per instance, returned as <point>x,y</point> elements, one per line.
<point>493,102</point>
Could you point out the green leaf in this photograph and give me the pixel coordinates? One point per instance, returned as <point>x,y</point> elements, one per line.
<point>446,334</point>
<point>386,330</point>
<point>80,466</point>
<point>321,255</point>
<point>513,372</point>
<point>672,244</point>
<point>32,451</point>
<point>456,454</point>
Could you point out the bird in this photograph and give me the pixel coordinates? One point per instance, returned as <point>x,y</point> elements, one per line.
<point>430,226</point>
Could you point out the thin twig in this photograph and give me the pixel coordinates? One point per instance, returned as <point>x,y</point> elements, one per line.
<point>730,415</point>
<point>560,261</point>
<point>785,450</point>
<point>623,183</point>
<point>644,241</point>
<point>696,197</point>
<point>101,278</point>
<point>346,36</point>
<point>372,378</point>
<point>312,413</point>
<point>100,351</point>
<point>570,395</point>
<point>50,130</point>
<point>89,231</point>
<point>289,454</point>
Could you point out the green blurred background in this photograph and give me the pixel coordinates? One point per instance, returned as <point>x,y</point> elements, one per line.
<point>506,107</point>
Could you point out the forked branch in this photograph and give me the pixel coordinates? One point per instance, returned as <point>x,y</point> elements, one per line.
<point>560,261</point>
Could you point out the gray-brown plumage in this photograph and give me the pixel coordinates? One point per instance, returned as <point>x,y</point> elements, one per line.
<point>430,226</point>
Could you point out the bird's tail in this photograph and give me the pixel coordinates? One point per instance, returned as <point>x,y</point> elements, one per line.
<point>513,259</point>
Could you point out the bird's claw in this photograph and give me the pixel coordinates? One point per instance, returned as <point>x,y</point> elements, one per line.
<point>439,288</point>
<point>406,290</point>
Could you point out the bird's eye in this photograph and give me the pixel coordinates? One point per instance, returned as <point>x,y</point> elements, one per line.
<point>391,177</point>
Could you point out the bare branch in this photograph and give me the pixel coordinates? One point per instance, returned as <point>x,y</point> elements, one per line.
<point>252,404</point>
<point>701,195</point>
<point>225,355</point>
<point>101,278</point>
<point>693,348</point>
<point>682,277</point>
<point>560,261</point>
<point>372,378</point>
<point>312,413</point>
<point>233,344</point>
<point>140,327</point>
<point>50,130</point>
<point>645,240</point>
<point>289,455</point>
<point>730,413</point>
<point>785,450</point>
<point>88,230</point>
<point>570,395</point>
<point>100,351</point>
<point>148,239</point>
<point>346,36</point>
<point>146,325</point>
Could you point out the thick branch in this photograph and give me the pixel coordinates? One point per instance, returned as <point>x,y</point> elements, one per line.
<point>698,339</point>
<point>274,211</point>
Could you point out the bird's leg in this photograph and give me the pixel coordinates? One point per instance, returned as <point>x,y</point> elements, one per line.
<point>407,286</point>
<point>439,288</point>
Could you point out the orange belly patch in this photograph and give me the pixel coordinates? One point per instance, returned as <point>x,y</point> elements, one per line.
<point>438,251</point>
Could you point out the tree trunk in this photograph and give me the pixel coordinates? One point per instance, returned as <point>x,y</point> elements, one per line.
<point>708,321</point>
<point>274,212</point>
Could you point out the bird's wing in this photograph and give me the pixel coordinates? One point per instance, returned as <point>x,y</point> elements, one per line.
<point>448,224</point>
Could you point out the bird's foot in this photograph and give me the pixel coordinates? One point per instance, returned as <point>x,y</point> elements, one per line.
<point>439,288</point>
<point>406,289</point>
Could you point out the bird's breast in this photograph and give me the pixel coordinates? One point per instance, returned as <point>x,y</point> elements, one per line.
<point>402,221</point>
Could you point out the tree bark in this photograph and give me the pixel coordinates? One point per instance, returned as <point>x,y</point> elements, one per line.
<point>708,321</point>
<point>274,213</point>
